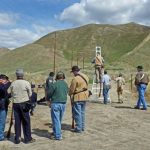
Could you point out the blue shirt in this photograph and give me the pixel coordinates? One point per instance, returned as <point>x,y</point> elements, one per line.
<point>106,79</point>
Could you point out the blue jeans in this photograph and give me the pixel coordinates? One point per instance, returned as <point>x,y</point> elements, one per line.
<point>2,123</point>
<point>57,112</point>
<point>141,100</point>
<point>105,94</point>
<point>79,115</point>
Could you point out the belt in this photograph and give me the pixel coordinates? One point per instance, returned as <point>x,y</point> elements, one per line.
<point>142,83</point>
<point>83,90</point>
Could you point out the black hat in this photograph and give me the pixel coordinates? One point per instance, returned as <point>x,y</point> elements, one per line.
<point>51,74</point>
<point>120,74</point>
<point>140,67</point>
<point>32,86</point>
<point>3,76</point>
<point>75,68</point>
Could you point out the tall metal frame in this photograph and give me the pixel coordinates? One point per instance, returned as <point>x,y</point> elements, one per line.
<point>98,50</point>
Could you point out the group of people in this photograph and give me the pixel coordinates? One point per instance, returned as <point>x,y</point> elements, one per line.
<point>104,79</point>
<point>56,96</point>
<point>22,93</point>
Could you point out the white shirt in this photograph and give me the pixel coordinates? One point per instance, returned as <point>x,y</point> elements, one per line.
<point>21,91</point>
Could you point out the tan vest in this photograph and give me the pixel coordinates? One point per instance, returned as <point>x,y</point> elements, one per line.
<point>98,60</point>
<point>141,78</point>
<point>77,85</point>
<point>120,82</point>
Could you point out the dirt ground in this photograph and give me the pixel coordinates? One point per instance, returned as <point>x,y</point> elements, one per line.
<point>108,127</point>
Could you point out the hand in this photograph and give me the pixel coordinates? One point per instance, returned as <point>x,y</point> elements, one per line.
<point>49,104</point>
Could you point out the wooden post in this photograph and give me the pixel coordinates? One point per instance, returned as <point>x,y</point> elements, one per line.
<point>77,58</point>
<point>131,82</point>
<point>83,62</point>
<point>71,58</point>
<point>54,67</point>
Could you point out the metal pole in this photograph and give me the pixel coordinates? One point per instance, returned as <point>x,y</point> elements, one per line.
<point>131,81</point>
<point>83,62</point>
<point>72,58</point>
<point>77,58</point>
<point>54,69</point>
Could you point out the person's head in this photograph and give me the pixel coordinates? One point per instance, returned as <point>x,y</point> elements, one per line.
<point>19,73</point>
<point>120,74</point>
<point>105,71</point>
<point>51,74</point>
<point>75,70</point>
<point>60,75</point>
<point>32,86</point>
<point>98,53</point>
<point>139,68</point>
<point>3,76</point>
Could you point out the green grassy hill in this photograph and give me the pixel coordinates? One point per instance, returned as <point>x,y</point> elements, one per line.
<point>140,55</point>
<point>32,57</point>
<point>116,41</point>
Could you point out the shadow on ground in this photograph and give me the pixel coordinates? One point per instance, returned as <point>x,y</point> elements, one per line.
<point>124,107</point>
<point>11,138</point>
<point>41,133</point>
<point>64,126</point>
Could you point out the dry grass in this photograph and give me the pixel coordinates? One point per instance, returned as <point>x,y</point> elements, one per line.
<point>3,146</point>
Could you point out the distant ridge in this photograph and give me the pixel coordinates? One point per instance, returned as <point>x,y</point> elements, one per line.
<point>116,41</point>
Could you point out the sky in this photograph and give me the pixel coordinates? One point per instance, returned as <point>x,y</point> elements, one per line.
<point>25,21</point>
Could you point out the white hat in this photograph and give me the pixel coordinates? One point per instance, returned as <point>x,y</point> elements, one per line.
<point>19,72</point>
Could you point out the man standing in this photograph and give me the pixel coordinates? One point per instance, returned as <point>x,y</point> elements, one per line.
<point>57,96</point>
<point>99,64</point>
<point>79,95</point>
<point>141,82</point>
<point>49,81</point>
<point>21,93</point>
<point>120,83</point>
<point>106,80</point>
<point>33,99</point>
<point>4,101</point>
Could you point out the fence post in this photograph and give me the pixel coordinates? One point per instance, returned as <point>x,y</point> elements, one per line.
<point>131,82</point>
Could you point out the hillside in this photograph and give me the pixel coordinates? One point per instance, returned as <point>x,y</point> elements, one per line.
<point>32,57</point>
<point>3,51</point>
<point>115,40</point>
<point>139,55</point>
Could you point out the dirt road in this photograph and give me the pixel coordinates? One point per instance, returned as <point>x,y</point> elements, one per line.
<point>108,127</point>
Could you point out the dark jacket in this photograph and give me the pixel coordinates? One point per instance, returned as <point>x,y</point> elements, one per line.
<point>4,95</point>
<point>34,97</point>
<point>141,78</point>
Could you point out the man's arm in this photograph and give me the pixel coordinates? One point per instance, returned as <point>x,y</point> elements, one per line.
<point>93,61</point>
<point>29,90</point>
<point>72,87</point>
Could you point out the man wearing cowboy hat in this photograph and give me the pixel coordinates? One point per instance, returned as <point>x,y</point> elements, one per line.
<point>79,94</point>
<point>141,82</point>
